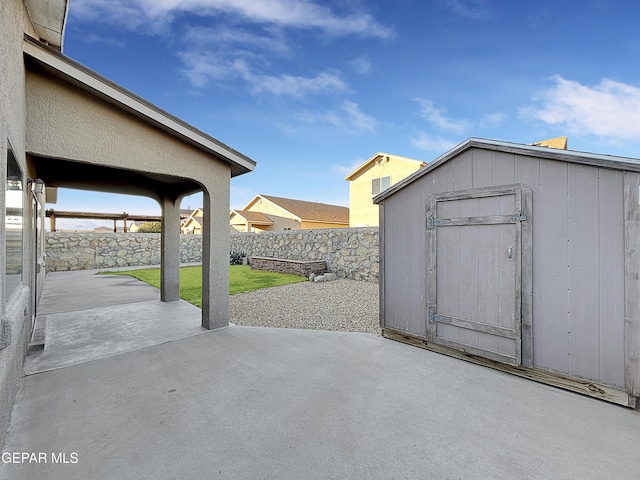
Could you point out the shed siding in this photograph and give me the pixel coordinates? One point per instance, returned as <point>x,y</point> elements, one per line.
<point>611,268</point>
<point>578,256</point>
<point>550,274</point>
<point>403,273</point>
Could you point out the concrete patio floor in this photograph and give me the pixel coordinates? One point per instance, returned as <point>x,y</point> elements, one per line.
<point>248,402</point>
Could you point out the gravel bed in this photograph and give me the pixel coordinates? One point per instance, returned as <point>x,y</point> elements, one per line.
<point>343,305</point>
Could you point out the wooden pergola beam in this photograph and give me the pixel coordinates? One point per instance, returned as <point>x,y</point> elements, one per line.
<point>53,214</point>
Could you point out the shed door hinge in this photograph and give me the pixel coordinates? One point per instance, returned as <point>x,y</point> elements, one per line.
<point>434,317</point>
<point>433,222</point>
<point>519,218</point>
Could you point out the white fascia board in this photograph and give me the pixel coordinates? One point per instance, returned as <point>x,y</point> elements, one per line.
<point>113,93</point>
<point>363,166</point>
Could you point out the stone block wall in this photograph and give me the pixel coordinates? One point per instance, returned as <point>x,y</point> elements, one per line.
<point>348,252</point>
<point>295,267</point>
<point>88,251</point>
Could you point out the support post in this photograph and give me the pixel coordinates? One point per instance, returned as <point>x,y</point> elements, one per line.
<point>170,250</point>
<point>215,258</point>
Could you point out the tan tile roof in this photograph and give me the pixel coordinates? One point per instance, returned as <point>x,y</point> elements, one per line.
<point>254,217</point>
<point>312,211</point>
<point>558,142</point>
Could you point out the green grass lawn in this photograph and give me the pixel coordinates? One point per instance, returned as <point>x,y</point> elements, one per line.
<point>241,279</point>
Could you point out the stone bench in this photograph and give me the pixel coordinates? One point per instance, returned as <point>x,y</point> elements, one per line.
<point>282,265</point>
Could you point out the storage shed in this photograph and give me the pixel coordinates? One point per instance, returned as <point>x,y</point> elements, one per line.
<point>522,258</point>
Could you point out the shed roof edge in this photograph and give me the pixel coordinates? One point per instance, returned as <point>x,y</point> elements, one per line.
<point>573,156</point>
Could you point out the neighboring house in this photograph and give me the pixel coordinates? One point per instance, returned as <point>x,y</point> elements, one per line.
<point>559,143</point>
<point>185,213</point>
<point>268,213</point>
<point>372,177</point>
<point>193,223</point>
<point>63,125</point>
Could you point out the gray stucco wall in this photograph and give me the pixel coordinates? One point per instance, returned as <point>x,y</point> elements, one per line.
<point>349,252</point>
<point>15,325</point>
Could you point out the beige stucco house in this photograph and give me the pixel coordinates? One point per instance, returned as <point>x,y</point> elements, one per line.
<point>193,223</point>
<point>372,177</point>
<point>64,125</point>
<point>269,213</point>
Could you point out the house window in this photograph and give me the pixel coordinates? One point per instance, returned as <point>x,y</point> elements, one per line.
<point>379,185</point>
<point>14,216</point>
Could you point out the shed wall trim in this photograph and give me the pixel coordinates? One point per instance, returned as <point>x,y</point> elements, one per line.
<point>632,282</point>
<point>584,387</point>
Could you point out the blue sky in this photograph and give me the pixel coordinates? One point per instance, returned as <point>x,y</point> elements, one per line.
<point>309,89</point>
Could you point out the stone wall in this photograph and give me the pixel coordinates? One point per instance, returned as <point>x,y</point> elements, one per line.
<point>348,252</point>
<point>295,267</point>
<point>88,251</point>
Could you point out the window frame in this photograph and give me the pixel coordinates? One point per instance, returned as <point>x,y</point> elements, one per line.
<point>380,184</point>
<point>14,171</point>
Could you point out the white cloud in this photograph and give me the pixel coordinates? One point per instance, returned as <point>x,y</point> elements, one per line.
<point>299,87</point>
<point>609,109</point>
<point>205,66</point>
<point>361,65</point>
<point>473,9</point>
<point>93,38</point>
<point>225,38</point>
<point>301,14</point>
<point>436,117</point>
<point>200,68</point>
<point>493,119</point>
<point>348,116</point>
<point>432,143</point>
<point>345,170</point>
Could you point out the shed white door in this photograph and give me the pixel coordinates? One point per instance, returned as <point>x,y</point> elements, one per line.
<point>475,272</point>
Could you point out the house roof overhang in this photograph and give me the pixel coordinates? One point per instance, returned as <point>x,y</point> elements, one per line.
<point>254,218</point>
<point>86,79</point>
<point>572,156</point>
<point>304,211</point>
<point>367,164</point>
<point>49,19</point>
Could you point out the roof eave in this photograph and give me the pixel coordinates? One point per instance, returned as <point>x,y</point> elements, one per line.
<point>49,19</point>
<point>94,83</point>
<point>336,222</point>
<point>362,167</point>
